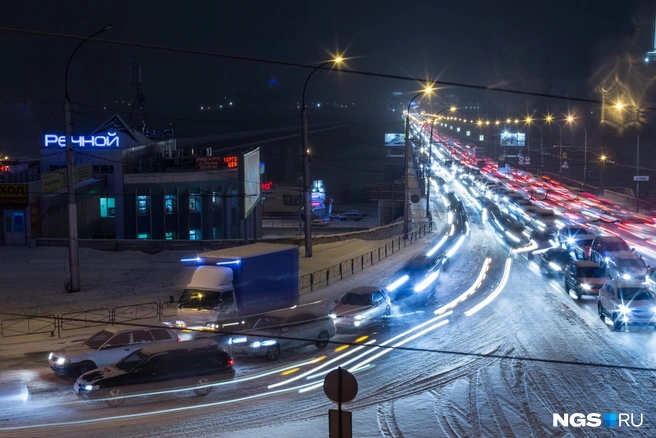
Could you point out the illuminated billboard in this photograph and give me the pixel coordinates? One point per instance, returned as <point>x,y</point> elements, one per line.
<point>512,139</point>
<point>249,176</point>
<point>394,139</point>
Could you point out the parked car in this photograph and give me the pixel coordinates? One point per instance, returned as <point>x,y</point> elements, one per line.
<point>353,215</point>
<point>283,330</point>
<point>602,246</point>
<point>626,265</point>
<point>195,365</point>
<point>553,261</point>
<point>320,223</point>
<point>624,302</point>
<point>361,307</point>
<point>583,277</point>
<point>106,347</point>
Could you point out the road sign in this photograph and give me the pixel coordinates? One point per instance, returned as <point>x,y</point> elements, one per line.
<point>527,160</point>
<point>340,386</point>
<point>641,178</point>
<point>565,165</point>
<point>521,160</point>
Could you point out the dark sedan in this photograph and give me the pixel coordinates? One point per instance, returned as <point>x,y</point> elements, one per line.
<point>554,261</point>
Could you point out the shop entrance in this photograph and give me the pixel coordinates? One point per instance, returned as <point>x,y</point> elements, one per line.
<point>14,227</point>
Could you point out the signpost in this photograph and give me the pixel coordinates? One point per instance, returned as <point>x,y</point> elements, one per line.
<point>340,386</point>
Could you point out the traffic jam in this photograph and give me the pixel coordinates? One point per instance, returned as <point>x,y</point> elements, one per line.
<point>592,247</point>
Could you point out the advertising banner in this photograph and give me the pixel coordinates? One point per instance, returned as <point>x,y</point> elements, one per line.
<point>249,174</point>
<point>14,195</point>
<point>512,139</point>
<point>208,163</point>
<point>53,181</point>
<point>394,139</point>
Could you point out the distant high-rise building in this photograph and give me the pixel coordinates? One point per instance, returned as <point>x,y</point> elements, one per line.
<point>651,55</point>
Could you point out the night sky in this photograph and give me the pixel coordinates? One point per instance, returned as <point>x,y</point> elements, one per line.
<point>551,47</point>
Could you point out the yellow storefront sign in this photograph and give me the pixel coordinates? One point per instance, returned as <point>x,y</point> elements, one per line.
<point>54,181</point>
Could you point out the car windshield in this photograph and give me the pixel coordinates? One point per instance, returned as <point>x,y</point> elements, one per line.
<point>584,242</point>
<point>356,299</point>
<point>616,246</point>
<point>131,360</point>
<point>98,339</point>
<point>631,263</point>
<point>591,272</point>
<point>268,321</point>
<point>203,299</point>
<point>634,293</point>
<point>561,255</point>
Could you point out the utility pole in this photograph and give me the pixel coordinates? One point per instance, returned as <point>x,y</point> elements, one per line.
<point>430,157</point>
<point>638,173</point>
<point>73,248</point>
<point>406,201</point>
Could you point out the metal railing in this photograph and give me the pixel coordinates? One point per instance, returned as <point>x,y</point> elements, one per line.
<point>326,276</point>
<point>32,325</point>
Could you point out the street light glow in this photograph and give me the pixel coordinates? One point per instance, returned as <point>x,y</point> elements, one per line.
<point>516,121</point>
<point>428,89</point>
<point>603,158</point>
<point>453,108</point>
<point>549,118</point>
<point>570,119</point>
<point>507,120</point>
<point>338,59</point>
<point>528,120</point>
<point>619,105</point>
<point>497,122</point>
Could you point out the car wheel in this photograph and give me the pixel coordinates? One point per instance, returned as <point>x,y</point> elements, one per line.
<point>115,398</point>
<point>273,352</point>
<point>85,367</point>
<point>566,286</point>
<point>617,324</point>
<point>205,390</point>
<point>600,312</point>
<point>323,340</point>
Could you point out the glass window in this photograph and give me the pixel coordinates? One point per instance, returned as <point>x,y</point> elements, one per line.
<point>143,205</point>
<point>195,235</point>
<point>143,236</point>
<point>141,336</point>
<point>357,299</point>
<point>195,202</point>
<point>216,199</point>
<point>160,335</point>
<point>170,235</point>
<point>107,207</point>
<point>98,339</point>
<point>170,204</point>
<point>119,340</point>
<point>288,200</point>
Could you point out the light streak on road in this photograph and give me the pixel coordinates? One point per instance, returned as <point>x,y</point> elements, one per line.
<point>389,341</point>
<point>403,342</point>
<point>495,293</point>
<point>323,365</point>
<point>470,291</point>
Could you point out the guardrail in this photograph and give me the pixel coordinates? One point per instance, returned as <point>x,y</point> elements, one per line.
<point>31,325</point>
<point>324,277</point>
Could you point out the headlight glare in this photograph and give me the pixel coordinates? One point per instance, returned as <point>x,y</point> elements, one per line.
<point>585,286</point>
<point>624,309</point>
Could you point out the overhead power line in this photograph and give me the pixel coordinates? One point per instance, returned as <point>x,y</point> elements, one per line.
<point>301,65</point>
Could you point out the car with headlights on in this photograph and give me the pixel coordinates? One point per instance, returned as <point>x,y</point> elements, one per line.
<point>626,302</point>
<point>414,283</point>
<point>626,265</point>
<point>283,330</point>
<point>583,277</point>
<point>106,347</point>
<point>194,365</point>
<point>361,307</point>
<point>553,261</point>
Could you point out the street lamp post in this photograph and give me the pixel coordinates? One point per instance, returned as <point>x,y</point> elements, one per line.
<point>307,189</point>
<point>73,250</point>
<point>406,207</point>
<point>601,170</point>
<point>570,119</point>
<point>430,157</point>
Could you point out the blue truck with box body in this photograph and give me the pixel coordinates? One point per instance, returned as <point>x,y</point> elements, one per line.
<point>233,283</point>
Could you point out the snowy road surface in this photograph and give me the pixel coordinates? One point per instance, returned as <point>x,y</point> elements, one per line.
<point>529,352</point>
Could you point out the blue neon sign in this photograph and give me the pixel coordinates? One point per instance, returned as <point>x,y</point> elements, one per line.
<point>96,141</point>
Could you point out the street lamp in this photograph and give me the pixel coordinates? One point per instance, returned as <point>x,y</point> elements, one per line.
<point>601,171</point>
<point>570,119</point>
<point>406,207</point>
<point>73,252</point>
<point>430,157</point>
<point>549,120</point>
<point>307,194</point>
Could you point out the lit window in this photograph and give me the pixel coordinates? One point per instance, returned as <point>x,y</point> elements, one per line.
<point>143,236</point>
<point>107,207</point>
<point>143,205</point>
<point>195,202</point>
<point>170,235</point>
<point>170,204</point>
<point>195,235</point>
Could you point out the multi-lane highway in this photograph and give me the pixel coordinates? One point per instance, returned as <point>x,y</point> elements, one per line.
<point>497,352</point>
